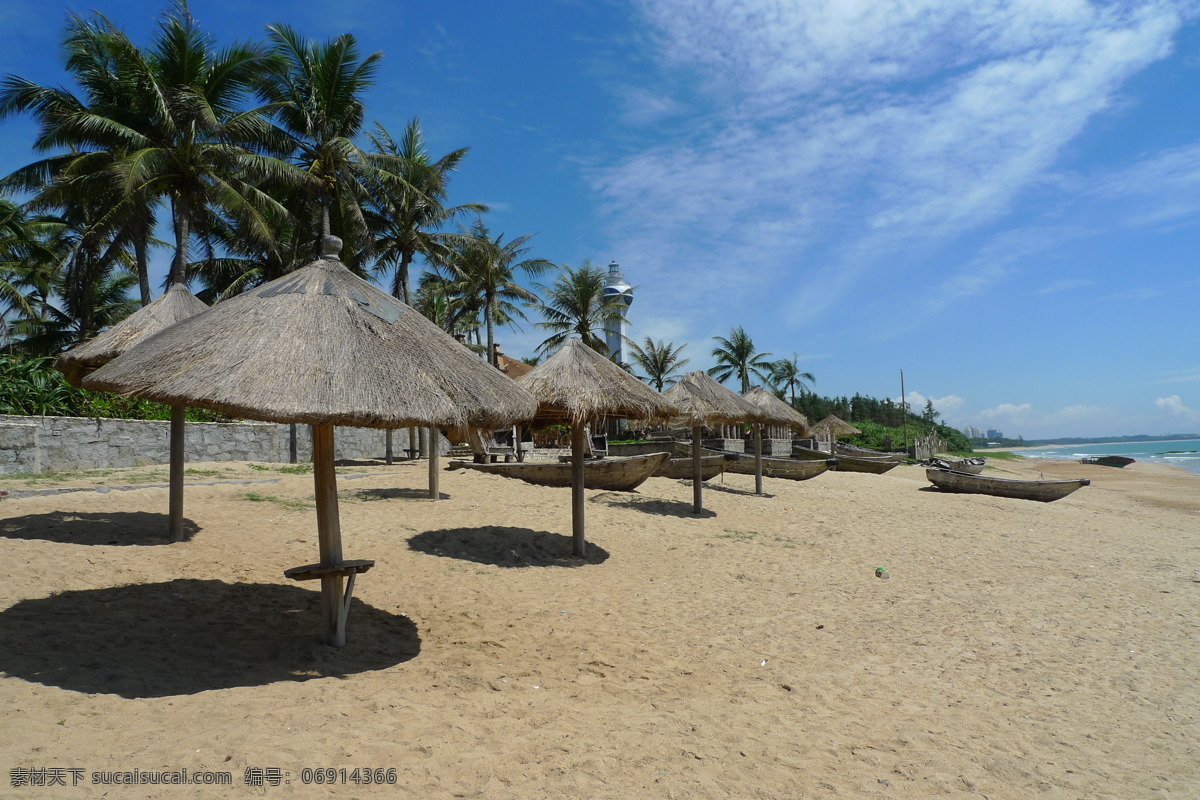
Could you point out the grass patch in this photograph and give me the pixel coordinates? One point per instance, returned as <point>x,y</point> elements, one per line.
<point>297,469</point>
<point>289,503</point>
<point>190,471</point>
<point>738,536</point>
<point>259,467</point>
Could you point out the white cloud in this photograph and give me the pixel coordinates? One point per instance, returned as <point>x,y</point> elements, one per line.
<point>879,124</point>
<point>1174,405</point>
<point>1190,375</point>
<point>946,406</point>
<point>1065,285</point>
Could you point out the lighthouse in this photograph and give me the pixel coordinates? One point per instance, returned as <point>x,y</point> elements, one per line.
<point>615,286</point>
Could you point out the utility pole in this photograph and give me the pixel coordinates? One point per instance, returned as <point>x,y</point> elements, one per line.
<point>904,410</point>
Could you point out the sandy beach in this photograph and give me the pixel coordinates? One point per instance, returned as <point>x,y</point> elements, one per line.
<point>1018,649</point>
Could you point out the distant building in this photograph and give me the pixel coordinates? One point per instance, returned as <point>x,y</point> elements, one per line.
<point>994,434</point>
<point>615,332</point>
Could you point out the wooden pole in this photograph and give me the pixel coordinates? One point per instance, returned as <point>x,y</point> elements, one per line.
<point>329,532</point>
<point>387,447</point>
<point>175,492</point>
<point>578,437</point>
<point>904,411</point>
<point>292,457</point>
<point>758,459</point>
<point>697,484</point>
<point>435,492</point>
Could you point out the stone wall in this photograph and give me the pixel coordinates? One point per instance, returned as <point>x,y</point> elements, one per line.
<point>58,444</point>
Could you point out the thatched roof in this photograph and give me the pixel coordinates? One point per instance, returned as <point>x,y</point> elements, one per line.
<point>777,412</point>
<point>175,304</point>
<point>703,401</point>
<point>835,427</point>
<point>323,347</point>
<point>578,384</point>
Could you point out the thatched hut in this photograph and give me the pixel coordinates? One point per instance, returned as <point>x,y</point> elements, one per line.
<point>323,347</point>
<point>778,413</point>
<point>174,305</point>
<point>577,385</point>
<point>704,402</point>
<point>830,428</point>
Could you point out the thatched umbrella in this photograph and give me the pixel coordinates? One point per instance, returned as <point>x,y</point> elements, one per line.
<point>835,427</point>
<point>174,305</point>
<point>702,402</point>
<point>775,412</point>
<point>578,385</point>
<point>322,347</point>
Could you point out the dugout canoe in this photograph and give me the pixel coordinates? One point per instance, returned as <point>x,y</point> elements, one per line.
<point>875,466</point>
<point>613,474</point>
<point>1041,491</point>
<point>681,468</point>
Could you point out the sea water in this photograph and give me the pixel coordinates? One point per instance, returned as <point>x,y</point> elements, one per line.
<point>1184,453</point>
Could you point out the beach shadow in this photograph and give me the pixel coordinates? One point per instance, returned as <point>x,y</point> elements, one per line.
<point>651,505</point>
<point>716,487</point>
<point>188,636</point>
<point>505,547</point>
<point>136,528</point>
<point>395,494</point>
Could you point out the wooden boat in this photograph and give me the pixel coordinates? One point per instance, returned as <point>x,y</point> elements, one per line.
<point>1042,491</point>
<point>876,466</point>
<point>614,474</point>
<point>1108,461</point>
<point>743,463</point>
<point>681,468</point>
<point>792,469</point>
<point>971,466</point>
<point>865,452</point>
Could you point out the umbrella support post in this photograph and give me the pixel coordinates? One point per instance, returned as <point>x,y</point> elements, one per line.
<point>578,439</point>
<point>758,459</point>
<point>697,484</point>
<point>387,447</point>
<point>175,492</point>
<point>334,602</point>
<point>434,442</point>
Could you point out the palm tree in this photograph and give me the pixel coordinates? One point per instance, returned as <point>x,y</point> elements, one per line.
<point>85,126</point>
<point>404,222</point>
<point>736,357</point>
<point>786,376</point>
<point>484,267</point>
<point>660,360</point>
<point>576,305</point>
<point>315,90</point>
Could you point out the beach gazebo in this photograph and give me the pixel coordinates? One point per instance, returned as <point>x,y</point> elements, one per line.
<point>775,412</point>
<point>321,347</point>
<point>577,385</point>
<point>174,305</point>
<point>832,427</point>
<point>703,402</point>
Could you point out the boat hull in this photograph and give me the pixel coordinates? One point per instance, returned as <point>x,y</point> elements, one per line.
<point>875,466</point>
<point>794,470</point>
<point>1041,491</point>
<point>612,474</point>
<point>1109,461</point>
<point>681,468</point>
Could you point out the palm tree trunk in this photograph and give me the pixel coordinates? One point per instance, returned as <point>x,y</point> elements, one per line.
<point>140,249</point>
<point>406,258</point>
<point>181,209</point>
<point>489,320</point>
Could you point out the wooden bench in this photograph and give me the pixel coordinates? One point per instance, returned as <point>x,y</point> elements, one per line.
<point>312,572</point>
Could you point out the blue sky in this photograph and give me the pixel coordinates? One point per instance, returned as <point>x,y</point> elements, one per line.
<point>1001,199</point>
